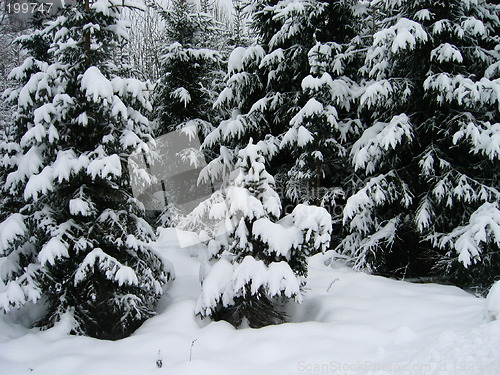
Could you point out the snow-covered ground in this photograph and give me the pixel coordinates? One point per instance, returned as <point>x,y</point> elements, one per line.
<point>349,323</point>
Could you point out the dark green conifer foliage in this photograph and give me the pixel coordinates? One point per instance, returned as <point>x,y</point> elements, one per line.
<point>262,261</point>
<point>289,90</point>
<point>190,65</point>
<point>78,242</point>
<point>428,154</point>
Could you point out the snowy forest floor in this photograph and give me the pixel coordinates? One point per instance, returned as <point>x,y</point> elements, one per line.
<point>349,323</point>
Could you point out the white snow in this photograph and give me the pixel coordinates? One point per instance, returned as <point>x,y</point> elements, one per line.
<point>118,108</point>
<point>12,296</point>
<point>375,91</point>
<point>182,95</point>
<point>12,227</point>
<point>467,240</point>
<point>105,166</point>
<point>37,133</point>
<point>310,109</point>
<point>492,303</point>
<point>446,52</point>
<point>225,281</point>
<point>272,58</point>
<point>404,34</point>
<point>186,238</point>
<point>315,221</point>
<point>304,136</point>
<point>368,150</point>
<point>67,164</point>
<point>97,87</point>
<point>280,239</point>
<point>484,139</point>
<point>253,54</point>
<point>213,284</point>
<point>31,87</point>
<point>348,323</point>
<point>232,128</point>
<point>28,164</point>
<point>107,6</point>
<point>289,138</point>
<point>39,183</point>
<point>79,206</point>
<point>425,212</point>
<point>83,119</point>
<point>111,267</point>
<point>235,62</point>
<point>463,90</point>
<point>250,271</point>
<point>474,26</point>
<point>423,14</point>
<point>225,96</point>
<point>126,275</point>
<point>281,279</point>
<point>129,138</point>
<point>42,114</point>
<point>52,250</point>
<point>358,201</point>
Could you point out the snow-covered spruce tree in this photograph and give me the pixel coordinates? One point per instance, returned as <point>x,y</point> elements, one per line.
<point>261,88</point>
<point>237,33</point>
<point>429,151</point>
<point>263,261</point>
<point>288,90</point>
<point>319,132</point>
<point>78,243</point>
<point>185,92</point>
<point>190,66</point>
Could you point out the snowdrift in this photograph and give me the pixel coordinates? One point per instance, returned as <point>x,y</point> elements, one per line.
<point>348,323</point>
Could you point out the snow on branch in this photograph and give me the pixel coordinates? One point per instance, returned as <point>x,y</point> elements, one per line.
<point>468,241</point>
<point>484,137</point>
<point>227,281</point>
<point>310,109</point>
<point>42,182</point>
<point>280,239</point>
<point>97,87</point>
<point>446,52</point>
<point>182,95</point>
<point>235,61</point>
<point>370,148</point>
<point>79,206</point>
<point>403,35</point>
<point>52,250</point>
<point>110,266</point>
<point>379,190</point>
<point>273,58</point>
<point>67,164</point>
<point>241,57</point>
<point>424,214</point>
<point>105,6</point>
<point>21,290</point>
<point>28,164</point>
<point>463,90</point>
<point>314,222</point>
<point>376,92</point>
<point>474,26</point>
<point>10,229</point>
<point>104,165</point>
<point>12,296</point>
<point>455,186</point>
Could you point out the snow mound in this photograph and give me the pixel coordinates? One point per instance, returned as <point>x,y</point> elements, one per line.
<point>492,303</point>
<point>349,323</point>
